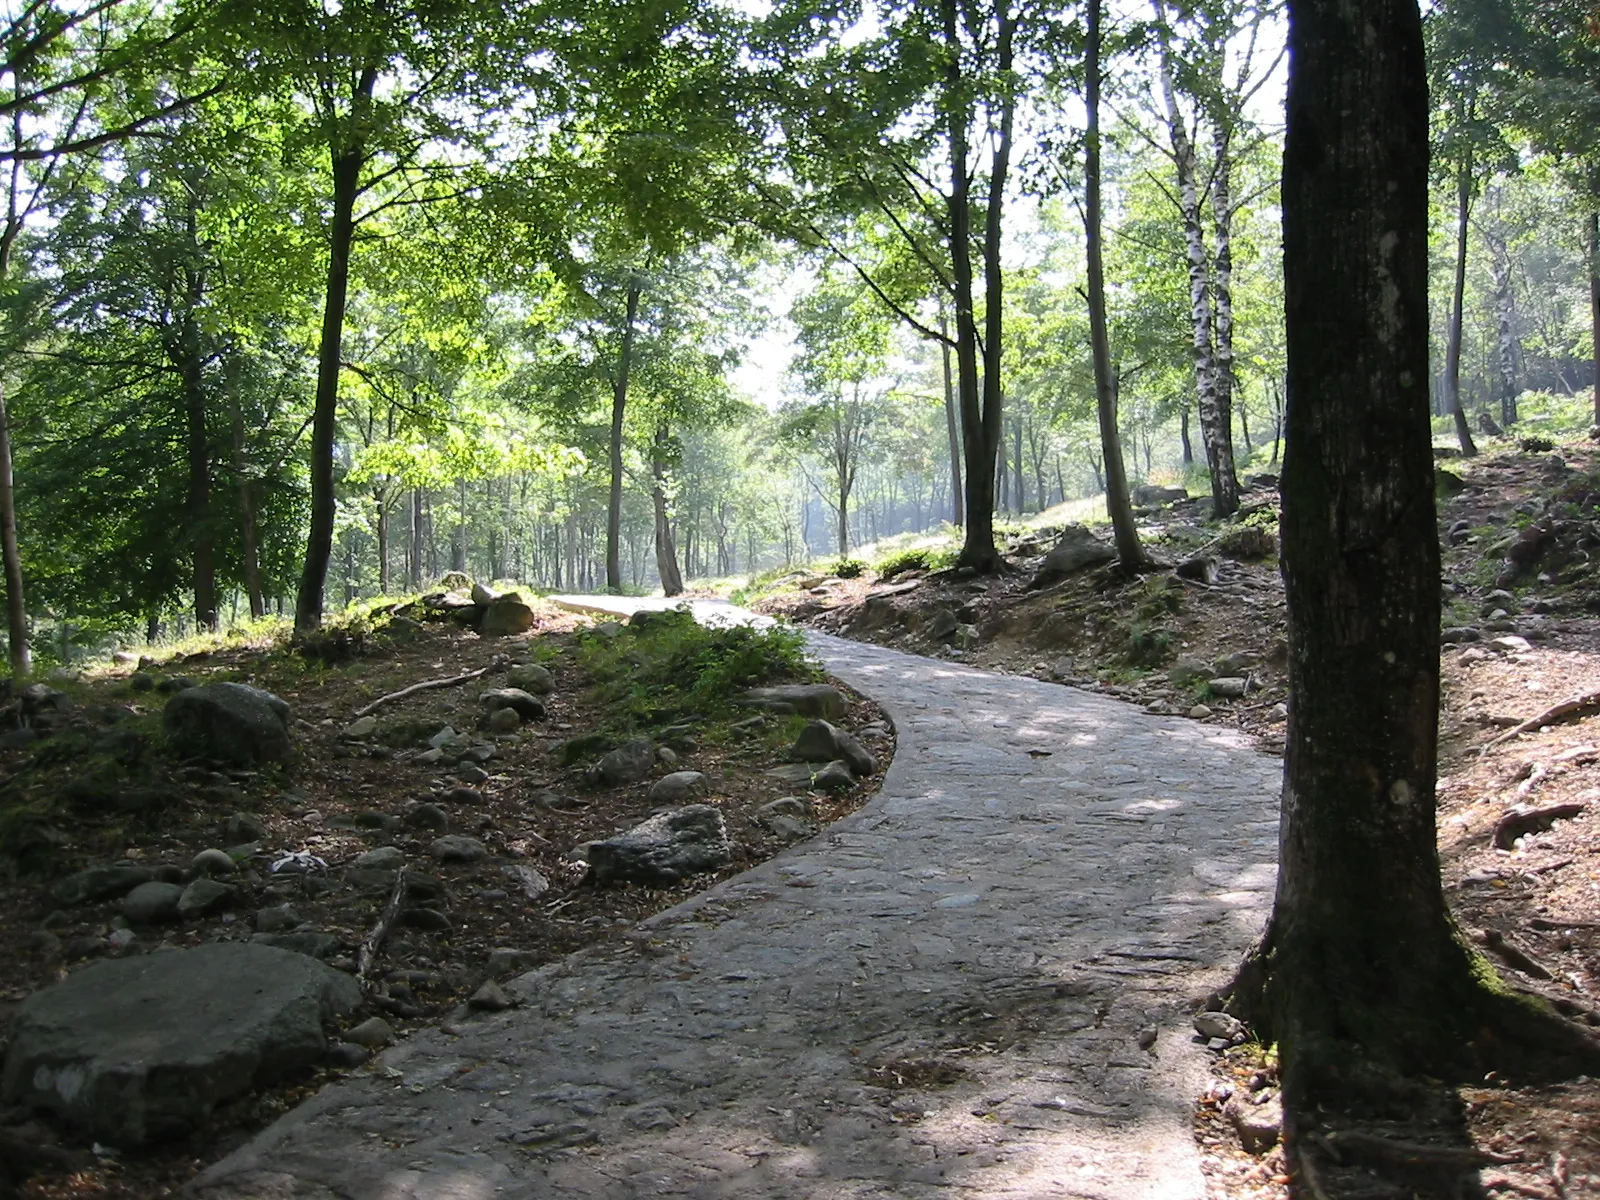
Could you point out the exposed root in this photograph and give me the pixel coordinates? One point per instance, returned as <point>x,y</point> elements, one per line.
<point>1568,710</point>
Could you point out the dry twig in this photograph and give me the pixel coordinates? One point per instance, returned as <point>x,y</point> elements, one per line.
<point>1567,710</point>
<point>372,944</point>
<point>426,685</point>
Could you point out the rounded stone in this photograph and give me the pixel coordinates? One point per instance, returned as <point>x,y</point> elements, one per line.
<point>212,862</point>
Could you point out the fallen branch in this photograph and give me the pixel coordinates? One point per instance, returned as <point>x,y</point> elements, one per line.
<point>426,685</point>
<point>1361,1146</point>
<point>1521,822</point>
<point>367,955</point>
<point>1567,710</point>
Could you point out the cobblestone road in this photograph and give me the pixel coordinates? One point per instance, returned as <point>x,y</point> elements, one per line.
<point>941,995</point>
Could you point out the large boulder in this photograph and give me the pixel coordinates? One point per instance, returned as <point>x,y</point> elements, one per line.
<point>531,677</point>
<point>507,615</point>
<point>807,699</point>
<point>101,883</point>
<point>1154,493</point>
<point>668,847</point>
<point>228,722</point>
<point>1077,549</point>
<point>136,1049</point>
<point>529,708</point>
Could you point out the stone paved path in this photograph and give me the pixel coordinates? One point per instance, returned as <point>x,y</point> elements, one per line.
<point>941,995</point>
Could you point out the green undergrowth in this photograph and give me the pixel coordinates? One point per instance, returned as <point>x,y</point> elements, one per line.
<point>672,669</point>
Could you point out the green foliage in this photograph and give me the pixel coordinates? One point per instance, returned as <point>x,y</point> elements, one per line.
<point>846,568</point>
<point>919,558</point>
<point>672,668</point>
<point>1149,646</point>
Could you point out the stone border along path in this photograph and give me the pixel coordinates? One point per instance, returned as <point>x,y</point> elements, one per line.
<point>943,994</point>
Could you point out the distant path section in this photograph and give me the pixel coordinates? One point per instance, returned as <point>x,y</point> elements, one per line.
<point>976,986</point>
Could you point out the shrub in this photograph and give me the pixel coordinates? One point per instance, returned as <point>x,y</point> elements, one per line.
<point>847,568</point>
<point>918,558</point>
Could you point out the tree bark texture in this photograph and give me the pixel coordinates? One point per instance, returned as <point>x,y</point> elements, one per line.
<point>1362,961</point>
<point>1119,505</point>
<point>1505,310</point>
<point>347,162</point>
<point>619,406</point>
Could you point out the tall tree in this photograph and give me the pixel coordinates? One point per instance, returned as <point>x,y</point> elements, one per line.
<point>1369,988</point>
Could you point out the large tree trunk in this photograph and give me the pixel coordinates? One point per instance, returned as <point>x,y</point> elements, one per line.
<point>1183,437</point>
<point>1366,981</point>
<point>666,549</point>
<point>979,424</point>
<point>1452,350</point>
<point>347,163</point>
<point>382,505</point>
<point>956,517</point>
<point>203,558</point>
<point>16,609</point>
<point>1118,503</point>
<point>619,405</point>
<point>415,549</point>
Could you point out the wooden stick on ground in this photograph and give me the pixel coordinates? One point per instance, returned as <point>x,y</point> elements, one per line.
<point>426,685</point>
<point>1567,710</point>
<point>367,955</point>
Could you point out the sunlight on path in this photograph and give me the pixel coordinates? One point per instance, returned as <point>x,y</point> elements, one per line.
<point>941,994</point>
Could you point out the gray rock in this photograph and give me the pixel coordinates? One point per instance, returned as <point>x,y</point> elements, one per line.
<point>505,961</point>
<point>531,677</point>
<point>677,787</point>
<point>442,738</point>
<point>491,997</point>
<point>1257,1118</point>
<point>1199,712</point>
<point>100,883</point>
<point>374,1033</point>
<point>362,727</point>
<point>1235,664</point>
<point>1228,687</point>
<point>806,699</point>
<point>457,848</point>
<point>799,773</point>
<point>822,742</point>
<point>1218,1025</point>
<point>528,880</point>
<point>942,624</point>
<point>382,858</point>
<point>471,773</point>
<point>835,777</point>
<point>1188,671</point>
<point>668,847</point>
<point>667,756</point>
<point>204,896</point>
<point>1200,568</point>
<point>1455,635</point>
<point>135,1049</point>
<point>152,902</point>
<point>507,616</point>
<point>504,720</point>
<point>279,918</point>
<point>242,827</point>
<point>628,763</point>
<point>1152,493</point>
<point>428,817</point>
<point>483,596</point>
<point>213,862</point>
<point>789,829</point>
<point>788,806</point>
<point>1077,550</point>
<point>227,722</point>
<point>528,707</point>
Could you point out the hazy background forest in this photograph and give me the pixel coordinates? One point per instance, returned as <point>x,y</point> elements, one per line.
<point>485,259</point>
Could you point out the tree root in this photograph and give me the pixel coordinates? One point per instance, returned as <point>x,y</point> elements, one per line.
<point>1568,710</point>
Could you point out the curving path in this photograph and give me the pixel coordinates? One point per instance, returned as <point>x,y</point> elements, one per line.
<point>945,994</point>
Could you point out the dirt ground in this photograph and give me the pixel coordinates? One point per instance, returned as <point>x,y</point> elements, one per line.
<point>1520,531</point>
<point>339,798</point>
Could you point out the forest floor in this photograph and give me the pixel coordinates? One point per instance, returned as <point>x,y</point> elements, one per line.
<point>89,784</point>
<point>1519,813</point>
